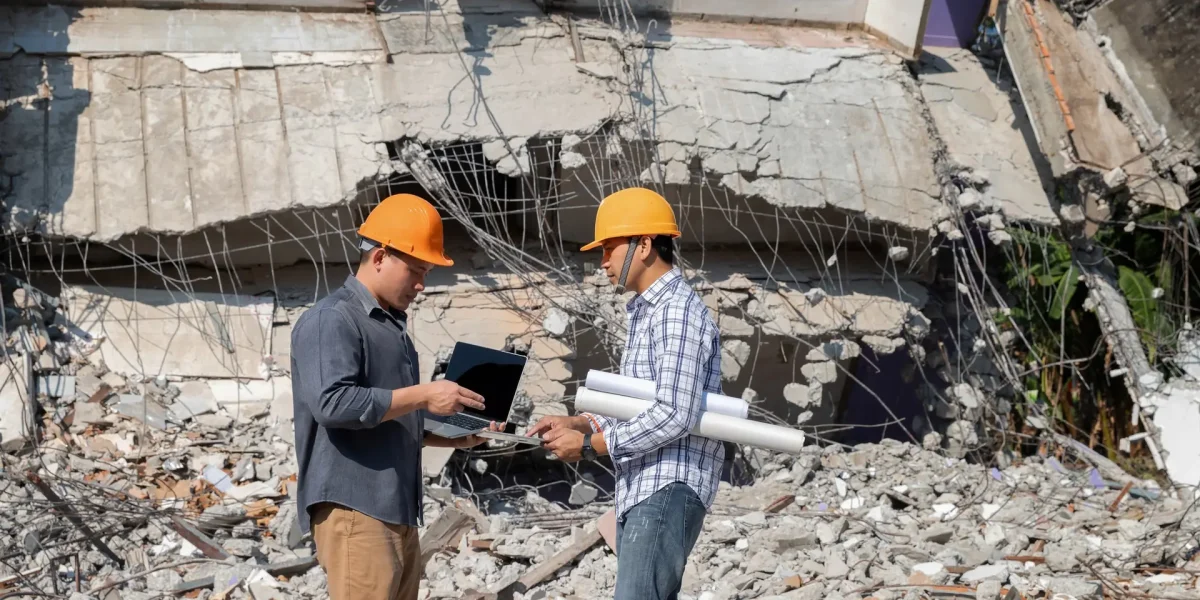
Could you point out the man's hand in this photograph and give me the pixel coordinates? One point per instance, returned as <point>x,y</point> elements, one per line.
<point>579,423</point>
<point>446,398</point>
<point>565,443</point>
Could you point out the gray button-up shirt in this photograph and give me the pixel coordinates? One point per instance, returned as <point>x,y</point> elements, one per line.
<point>348,354</point>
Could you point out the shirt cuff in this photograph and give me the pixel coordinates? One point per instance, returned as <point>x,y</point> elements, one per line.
<point>610,440</point>
<point>380,403</point>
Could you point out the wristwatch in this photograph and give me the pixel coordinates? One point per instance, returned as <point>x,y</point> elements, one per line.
<point>588,452</point>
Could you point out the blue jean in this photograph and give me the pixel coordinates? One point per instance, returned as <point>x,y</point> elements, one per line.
<point>654,539</point>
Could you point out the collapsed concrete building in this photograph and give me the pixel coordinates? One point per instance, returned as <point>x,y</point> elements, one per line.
<point>179,186</point>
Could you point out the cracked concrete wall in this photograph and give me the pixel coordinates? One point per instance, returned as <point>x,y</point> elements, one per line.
<point>902,22</point>
<point>144,143</point>
<point>812,135</point>
<point>793,342</point>
<point>175,143</point>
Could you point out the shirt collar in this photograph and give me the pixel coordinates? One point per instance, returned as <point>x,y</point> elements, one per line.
<point>658,289</point>
<point>368,301</point>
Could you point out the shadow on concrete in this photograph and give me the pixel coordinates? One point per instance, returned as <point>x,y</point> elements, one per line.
<point>40,109</point>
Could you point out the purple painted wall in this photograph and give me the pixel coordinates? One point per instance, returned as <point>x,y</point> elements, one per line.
<point>953,23</point>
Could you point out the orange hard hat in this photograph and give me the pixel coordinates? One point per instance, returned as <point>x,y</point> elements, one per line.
<point>633,212</point>
<point>408,224</point>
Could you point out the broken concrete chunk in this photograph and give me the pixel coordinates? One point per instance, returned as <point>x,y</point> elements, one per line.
<point>834,350</point>
<point>820,372</point>
<point>56,386</point>
<point>1000,238</point>
<point>572,160</point>
<point>969,199</point>
<point>582,493</point>
<point>195,399</point>
<point>556,321</point>
<point>986,573</point>
<point>87,413</point>
<point>219,422</point>
<point>882,345</point>
<point>801,395</point>
<point>137,407</point>
<point>898,253</point>
<point>734,355</point>
<point>1115,178</point>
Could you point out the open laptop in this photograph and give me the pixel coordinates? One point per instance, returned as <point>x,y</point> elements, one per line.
<point>493,374</point>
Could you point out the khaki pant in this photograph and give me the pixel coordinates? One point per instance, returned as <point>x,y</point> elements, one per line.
<point>364,558</point>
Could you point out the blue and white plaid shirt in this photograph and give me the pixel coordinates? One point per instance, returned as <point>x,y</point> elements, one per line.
<point>674,342</point>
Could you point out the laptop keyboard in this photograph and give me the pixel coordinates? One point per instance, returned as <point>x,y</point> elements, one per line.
<point>467,421</point>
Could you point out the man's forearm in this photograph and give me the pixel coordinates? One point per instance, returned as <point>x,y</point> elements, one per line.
<point>404,401</point>
<point>437,441</point>
<point>599,444</point>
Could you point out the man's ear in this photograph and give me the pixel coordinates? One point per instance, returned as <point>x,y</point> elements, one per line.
<point>645,248</point>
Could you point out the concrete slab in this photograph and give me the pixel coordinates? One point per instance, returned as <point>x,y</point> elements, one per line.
<point>1100,137</point>
<point>195,398</point>
<point>311,138</point>
<point>168,179</point>
<point>981,120</point>
<point>153,332</point>
<point>244,400</point>
<point>212,147</point>
<point>71,195</point>
<point>14,411</point>
<point>266,179</point>
<point>116,108</point>
<point>56,386</point>
<point>1178,418</point>
<point>434,459</point>
<point>112,30</point>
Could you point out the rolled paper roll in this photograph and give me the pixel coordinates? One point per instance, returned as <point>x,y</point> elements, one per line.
<point>643,389</point>
<point>712,425</point>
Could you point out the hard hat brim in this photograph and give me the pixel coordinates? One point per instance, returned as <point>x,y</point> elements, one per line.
<point>598,243</point>
<point>440,261</point>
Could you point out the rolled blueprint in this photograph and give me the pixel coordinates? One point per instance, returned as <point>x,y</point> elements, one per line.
<point>643,389</point>
<point>712,425</point>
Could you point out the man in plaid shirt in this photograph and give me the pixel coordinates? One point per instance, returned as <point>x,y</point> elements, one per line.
<point>666,478</point>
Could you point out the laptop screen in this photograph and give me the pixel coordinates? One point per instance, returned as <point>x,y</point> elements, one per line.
<point>493,374</point>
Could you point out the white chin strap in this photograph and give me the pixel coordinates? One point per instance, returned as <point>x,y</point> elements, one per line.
<point>628,262</point>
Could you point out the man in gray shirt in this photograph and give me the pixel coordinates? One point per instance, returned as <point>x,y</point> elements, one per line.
<point>360,409</point>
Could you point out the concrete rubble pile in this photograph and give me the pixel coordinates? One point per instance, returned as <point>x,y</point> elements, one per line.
<point>146,488</point>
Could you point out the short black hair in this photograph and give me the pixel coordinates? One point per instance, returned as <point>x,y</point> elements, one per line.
<point>664,245</point>
<point>365,253</point>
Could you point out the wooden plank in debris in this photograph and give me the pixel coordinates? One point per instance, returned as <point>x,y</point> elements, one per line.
<point>207,546</point>
<point>780,504</point>
<point>607,524</point>
<point>1121,496</point>
<point>445,531</point>
<point>1024,558</point>
<point>100,394</point>
<point>482,524</point>
<point>63,508</point>
<point>541,571</point>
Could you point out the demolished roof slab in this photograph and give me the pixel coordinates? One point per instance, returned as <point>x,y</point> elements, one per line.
<point>814,134</point>
<point>151,143</point>
<point>980,118</point>
<point>144,142</point>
